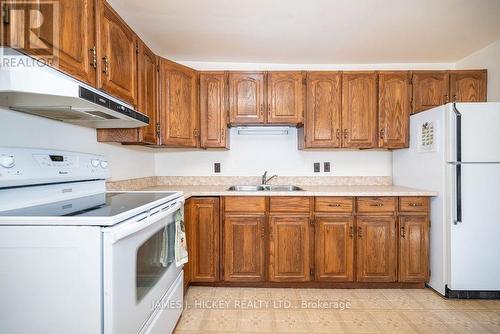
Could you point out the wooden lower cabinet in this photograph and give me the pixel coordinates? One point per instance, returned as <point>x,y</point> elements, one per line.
<point>334,248</point>
<point>203,231</point>
<point>244,254</point>
<point>289,248</point>
<point>413,248</point>
<point>376,249</point>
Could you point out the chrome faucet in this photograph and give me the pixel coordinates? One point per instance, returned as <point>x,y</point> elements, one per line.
<point>265,180</point>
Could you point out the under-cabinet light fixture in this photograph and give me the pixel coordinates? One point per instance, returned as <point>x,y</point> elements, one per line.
<point>262,131</point>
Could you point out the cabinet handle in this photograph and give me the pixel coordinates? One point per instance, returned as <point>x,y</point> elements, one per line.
<point>351,231</point>
<point>335,205</point>
<point>222,134</point>
<point>269,107</point>
<point>415,204</point>
<point>360,232</point>
<point>196,133</point>
<point>454,98</point>
<point>346,132</point>
<point>338,134</point>
<point>402,231</point>
<point>446,99</point>
<point>382,133</point>
<point>93,57</point>
<point>262,232</point>
<point>105,60</point>
<point>261,109</point>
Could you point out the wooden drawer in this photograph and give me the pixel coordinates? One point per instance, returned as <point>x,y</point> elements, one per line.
<point>334,204</point>
<point>245,204</point>
<point>376,204</point>
<point>290,204</point>
<point>414,204</point>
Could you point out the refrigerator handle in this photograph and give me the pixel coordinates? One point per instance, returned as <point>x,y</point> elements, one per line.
<point>458,129</point>
<point>458,165</point>
<point>458,194</point>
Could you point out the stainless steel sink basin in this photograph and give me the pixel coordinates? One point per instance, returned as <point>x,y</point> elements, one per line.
<point>265,188</point>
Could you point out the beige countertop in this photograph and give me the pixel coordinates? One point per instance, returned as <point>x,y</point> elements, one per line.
<point>221,190</point>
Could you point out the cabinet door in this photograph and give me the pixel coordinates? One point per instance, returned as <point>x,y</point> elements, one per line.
<point>322,123</point>
<point>178,113</point>
<point>468,85</point>
<point>359,109</point>
<point>289,248</point>
<point>285,98</point>
<point>118,52</point>
<point>394,109</point>
<point>334,243</point>
<point>376,249</point>
<point>430,89</point>
<point>213,110</point>
<point>74,47</point>
<point>204,234</point>
<point>413,248</point>
<point>148,93</point>
<point>246,97</point>
<point>244,247</point>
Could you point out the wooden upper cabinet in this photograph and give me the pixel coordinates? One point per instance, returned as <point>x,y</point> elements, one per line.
<point>203,238</point>
<point>213,110</point>
<point>359,109</point>
<point>178,110</point>
<point>289,248</point>
<point>413,248</point>
<point>147,85</point>
<point>244,247</point>
<point>285,98</point>
<point>322,123</point>
<point>430,89</point>
<point>118,53</point>
<point>376,249</point>
<point>468,85</point>
<point>394,108</point>
<point>74,50</point>
<point>334,244</point>
<point>246,98</point>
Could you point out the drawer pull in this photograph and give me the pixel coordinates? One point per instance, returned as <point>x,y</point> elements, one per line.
<point>402,232</point>
<point>351,232</point>
<point>415,204</point>
<point>360,232</point>
<point>377,204</point>
<point>335,205</point>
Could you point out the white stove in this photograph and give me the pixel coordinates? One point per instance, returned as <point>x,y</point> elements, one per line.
<point>77,259</point>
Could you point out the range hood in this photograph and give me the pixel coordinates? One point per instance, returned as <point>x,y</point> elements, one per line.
<point>29,86</point>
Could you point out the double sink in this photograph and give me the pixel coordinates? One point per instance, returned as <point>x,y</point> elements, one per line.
<point>265,187</point>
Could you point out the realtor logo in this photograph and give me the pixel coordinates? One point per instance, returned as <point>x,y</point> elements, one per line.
<point>32,27</point>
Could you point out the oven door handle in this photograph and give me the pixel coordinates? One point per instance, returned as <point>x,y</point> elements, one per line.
<point>139,223</point>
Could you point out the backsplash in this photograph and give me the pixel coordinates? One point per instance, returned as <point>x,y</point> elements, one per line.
<point>141,183</point>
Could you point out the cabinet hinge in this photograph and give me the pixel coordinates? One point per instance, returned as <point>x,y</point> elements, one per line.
<point>311,272</point>
<point>5,14</point>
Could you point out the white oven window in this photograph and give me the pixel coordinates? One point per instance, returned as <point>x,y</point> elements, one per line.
<point>154,257</point>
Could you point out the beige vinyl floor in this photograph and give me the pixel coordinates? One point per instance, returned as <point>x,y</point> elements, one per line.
<point>259,310</point>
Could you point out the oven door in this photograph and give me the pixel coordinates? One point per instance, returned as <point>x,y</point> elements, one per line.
<point>138,267</point>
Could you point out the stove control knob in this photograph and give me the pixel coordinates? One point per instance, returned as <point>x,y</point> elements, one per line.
<point>7,161</point>
<point>104,164</point>
<point>94,162</point>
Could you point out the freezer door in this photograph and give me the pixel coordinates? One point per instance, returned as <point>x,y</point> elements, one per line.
<point>480,135</point>
<point>475,241</point>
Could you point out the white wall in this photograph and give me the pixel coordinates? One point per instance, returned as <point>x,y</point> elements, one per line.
<point>489,58</point>
<point>253,154</point>
<point>23,130</point>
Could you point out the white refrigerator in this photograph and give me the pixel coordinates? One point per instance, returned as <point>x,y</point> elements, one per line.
<point>455,151</point>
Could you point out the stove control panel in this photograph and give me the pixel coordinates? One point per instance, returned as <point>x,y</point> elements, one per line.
<point>28,166</point>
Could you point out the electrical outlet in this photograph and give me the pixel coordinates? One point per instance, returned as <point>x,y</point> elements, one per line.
<point>317,167</point>
<point>326,167</point>
<point>217,167</point>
